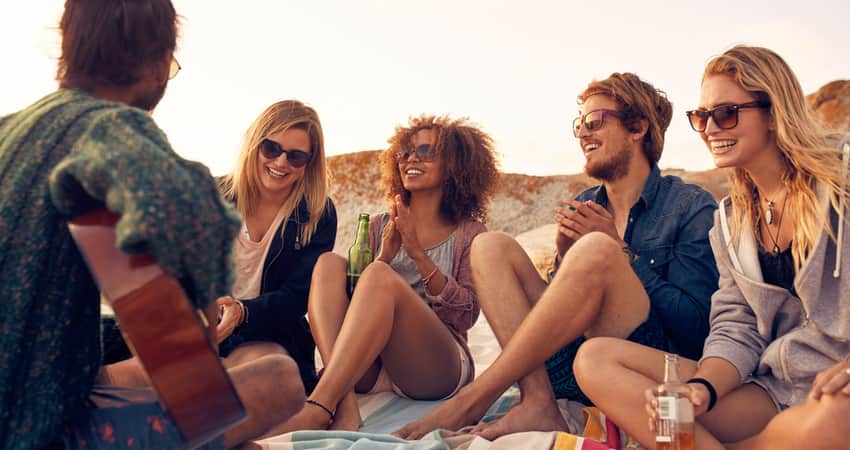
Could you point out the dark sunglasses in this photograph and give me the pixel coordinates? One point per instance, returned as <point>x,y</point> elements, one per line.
<point>725,116</point>
<point>272,150</point>
<point>593,120</point>
<point>424,152</point>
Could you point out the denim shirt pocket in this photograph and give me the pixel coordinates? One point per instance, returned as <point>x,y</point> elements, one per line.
<point>658,258</point>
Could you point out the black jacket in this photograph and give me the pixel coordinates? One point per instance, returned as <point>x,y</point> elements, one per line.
<point>278,313</point>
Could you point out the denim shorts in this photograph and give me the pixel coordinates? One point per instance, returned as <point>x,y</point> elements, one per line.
<point>560,365</point>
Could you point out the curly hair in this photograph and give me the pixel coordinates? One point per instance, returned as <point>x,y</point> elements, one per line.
<point>636,99</point>
<point>470,169</point>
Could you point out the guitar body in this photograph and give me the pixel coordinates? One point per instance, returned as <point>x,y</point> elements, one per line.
<point>163,330</point>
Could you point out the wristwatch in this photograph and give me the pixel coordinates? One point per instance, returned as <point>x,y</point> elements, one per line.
<point>631,254</point>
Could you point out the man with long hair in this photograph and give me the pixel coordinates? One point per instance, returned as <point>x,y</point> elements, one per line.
<point>633,261</point>
<point>88,145</point>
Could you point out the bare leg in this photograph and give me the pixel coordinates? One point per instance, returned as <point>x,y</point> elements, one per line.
<point>614,373</point>
<point>595,293</point>
<point>127,373</point>
<point>250,351</point>
<point>816,425</point>
<point>387,319</point>
<point>271,391</point>
<point>507,292</point>
<point>326,312</point>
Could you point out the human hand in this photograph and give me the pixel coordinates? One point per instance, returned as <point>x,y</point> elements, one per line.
<point>231,317</point>
<point>834,380</point>
<point>698,396</point>
<point>390,238</point>
<point>407,229</point>
<point>575,219</point>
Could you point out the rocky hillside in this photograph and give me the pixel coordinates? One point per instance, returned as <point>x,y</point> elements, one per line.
<point>523,204</point>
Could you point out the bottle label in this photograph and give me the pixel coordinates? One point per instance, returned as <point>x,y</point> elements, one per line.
<point>667,408</point>
<point>677,409</point>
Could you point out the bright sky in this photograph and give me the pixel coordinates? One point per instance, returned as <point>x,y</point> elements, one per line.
<point>514,67</point>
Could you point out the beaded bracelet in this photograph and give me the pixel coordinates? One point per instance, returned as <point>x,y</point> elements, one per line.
<point>427,279</point>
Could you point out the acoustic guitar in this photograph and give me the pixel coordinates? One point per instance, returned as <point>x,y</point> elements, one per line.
<point>163,330</point>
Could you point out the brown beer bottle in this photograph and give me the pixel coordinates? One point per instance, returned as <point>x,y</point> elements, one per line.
<point>359,255</point>
<point>674,428</point>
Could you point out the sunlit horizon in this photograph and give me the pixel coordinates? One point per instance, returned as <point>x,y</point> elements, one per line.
<point>514,69</point>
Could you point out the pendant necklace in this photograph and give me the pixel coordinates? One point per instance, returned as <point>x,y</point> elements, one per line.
<point>769,215</point>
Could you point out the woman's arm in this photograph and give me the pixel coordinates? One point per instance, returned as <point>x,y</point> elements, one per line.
<point>456,303</point>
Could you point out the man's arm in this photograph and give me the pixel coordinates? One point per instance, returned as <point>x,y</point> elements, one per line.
<point>682,298</point>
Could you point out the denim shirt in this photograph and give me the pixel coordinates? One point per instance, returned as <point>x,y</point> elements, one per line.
<point>668,228</point>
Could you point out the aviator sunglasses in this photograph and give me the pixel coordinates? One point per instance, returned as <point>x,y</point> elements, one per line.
<point>424,152</point>
<point>725,116</point>
<point>296,158</point>
<point>593,120</point>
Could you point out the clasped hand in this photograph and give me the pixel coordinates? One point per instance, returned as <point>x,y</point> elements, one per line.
<point>576,219</point>
<point>399,232</point>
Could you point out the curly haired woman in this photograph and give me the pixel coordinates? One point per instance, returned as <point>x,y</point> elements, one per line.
<point>404,328</point>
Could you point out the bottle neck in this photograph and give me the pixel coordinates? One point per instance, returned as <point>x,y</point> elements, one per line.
<point>362,232</point>
<point>671,369</point>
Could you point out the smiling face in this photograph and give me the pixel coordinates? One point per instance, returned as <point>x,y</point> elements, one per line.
<point>276,176</point>
<point>417,174</point>
<point>747,144</point>
<point>607,150</point>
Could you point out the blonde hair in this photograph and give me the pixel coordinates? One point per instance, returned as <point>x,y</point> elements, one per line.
<point>242,185</point>
<point>802,143</point>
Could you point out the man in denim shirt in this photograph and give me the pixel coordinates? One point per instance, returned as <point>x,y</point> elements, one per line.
<point>635,263</point>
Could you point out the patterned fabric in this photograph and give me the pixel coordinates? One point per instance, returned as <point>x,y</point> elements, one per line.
<point>64,155</point>
<point>560,365</point>
<point>125,419</point>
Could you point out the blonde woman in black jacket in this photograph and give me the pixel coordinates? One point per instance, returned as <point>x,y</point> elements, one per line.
<point>279,186</point>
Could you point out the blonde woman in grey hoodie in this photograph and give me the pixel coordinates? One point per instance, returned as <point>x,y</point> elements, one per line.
<point>774,371</point>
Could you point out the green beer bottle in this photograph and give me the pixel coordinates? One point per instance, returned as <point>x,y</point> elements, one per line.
<point>359,255</point>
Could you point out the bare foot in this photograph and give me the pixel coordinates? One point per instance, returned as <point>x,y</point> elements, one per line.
<point>347,416</point>
<point>311,417</point>
<point>463,409</point>
<point>526,416</point>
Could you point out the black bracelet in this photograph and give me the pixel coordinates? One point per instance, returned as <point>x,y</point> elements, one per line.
<point>327,410</point>
<point>712,394</point>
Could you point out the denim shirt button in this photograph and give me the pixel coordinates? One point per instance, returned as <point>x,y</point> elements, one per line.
<point>652,262</point>
<point>631,219</point>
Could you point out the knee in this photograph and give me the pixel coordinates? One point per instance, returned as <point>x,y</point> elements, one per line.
<point>492,244</point>
<point>329,264</point>
<point>378,275</point>
<point>824,424</point>
<point>593,253</point>
<point>591,360</point>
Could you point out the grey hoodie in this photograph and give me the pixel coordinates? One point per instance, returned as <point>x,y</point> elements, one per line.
<point>773,338</point>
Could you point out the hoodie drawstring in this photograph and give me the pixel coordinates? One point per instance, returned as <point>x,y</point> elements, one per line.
<point>845,154</point>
